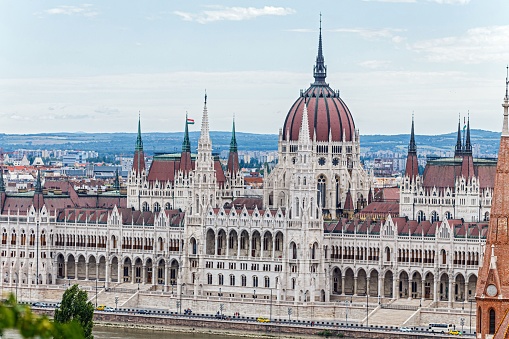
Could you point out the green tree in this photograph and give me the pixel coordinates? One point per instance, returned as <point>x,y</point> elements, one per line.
<point>74,306</point>
<point>30,325</point>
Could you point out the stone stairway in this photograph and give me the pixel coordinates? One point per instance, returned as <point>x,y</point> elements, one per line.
<point>390,317</point>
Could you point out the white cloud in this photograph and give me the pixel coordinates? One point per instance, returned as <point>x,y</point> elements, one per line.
<point>86,10</point>
<point>384,33</point>
<point>233,13</point>
<point>451,2</point>
<point>375,64</point>
<point>440,2</point>
<point>394,1</point>
<point>477,45</point>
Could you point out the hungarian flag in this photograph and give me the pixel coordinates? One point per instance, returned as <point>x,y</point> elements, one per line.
<point>190,121</point>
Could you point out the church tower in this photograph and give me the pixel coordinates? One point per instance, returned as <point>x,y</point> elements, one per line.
<point>233,173</point>
<point>492,293</point>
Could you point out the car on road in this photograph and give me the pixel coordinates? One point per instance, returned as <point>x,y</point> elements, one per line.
<point>109,309</point>
<point>263,320</point>
<point>405,329</point>
<point>101,307</point>
<point>39,304</point>
<point>455,332</point>
<point>142,312</point>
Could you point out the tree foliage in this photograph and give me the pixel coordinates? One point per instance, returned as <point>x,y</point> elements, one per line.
<point>30,325</point>
<point>75,307</point>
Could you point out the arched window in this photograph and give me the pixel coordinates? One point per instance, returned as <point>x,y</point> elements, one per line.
<point>444,257</point>
<point>157,207</point>
<point>321,187</point>
<point>267,282</point>
<point>294,250</point>
<point>209,279</point>
<point>434,216</point>
<point>232,280</point>
<point>387,254</point>
<point>221,279</point>
<point>448,215</point>
<point>421,216</point>
<point>293,283</point>
<point>338,193</point>
<point>255,281</point>
<point>145,207</point>
<point>492,321</point>
<point>243,280</point>
<point>167,206</point>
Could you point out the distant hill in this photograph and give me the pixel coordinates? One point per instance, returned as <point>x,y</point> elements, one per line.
<point>123,143</point>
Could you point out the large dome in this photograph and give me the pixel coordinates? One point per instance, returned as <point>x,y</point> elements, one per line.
<point>327,113</point>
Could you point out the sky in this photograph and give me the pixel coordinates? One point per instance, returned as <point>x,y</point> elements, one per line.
<point>68,66</point>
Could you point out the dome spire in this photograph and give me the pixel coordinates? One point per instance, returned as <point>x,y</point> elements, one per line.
<point>320,70</point>
<point>139,142</point>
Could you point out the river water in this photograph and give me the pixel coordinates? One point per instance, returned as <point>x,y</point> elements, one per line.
<point>129,333</point>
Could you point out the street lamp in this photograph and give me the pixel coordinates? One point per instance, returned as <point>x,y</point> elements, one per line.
<point>367,310</point>
<point>116,303</point>
<point>462,322</point>
<point>270,312</point>
<point>346,312</point>
<point>470,313</point>
<point>289,313</point>
<point>178,306</point>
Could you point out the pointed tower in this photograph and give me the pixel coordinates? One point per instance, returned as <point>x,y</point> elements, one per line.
<point>233,156</point>
<point>185,157</point>
<point>116,182</point>
<point>136,177</point>
<point>467,164</point>
<point>492,290</point>
<point>412,167</point>
<point>204,185</point>
<point>2,189</point>
<point>139,156</point>
<point>458,150</point>
<point>38,201</point>
<point>320,70</point>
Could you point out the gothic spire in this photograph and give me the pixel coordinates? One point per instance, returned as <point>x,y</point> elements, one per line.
<point>459,149</point>
<point>204,134</point>
<point>412,147</point>
<point>304,127</point>
<point>320,70</point>
<point>116,183</point>
<point>468,145</point>
<point>505,127</point>
<point>233,142</point>
<point>139,157</point>
<point>38,184</point>
<point>2,184</point>
<point>233,156</point>
<point>412,165</point>
<point>139,142</point>
<point>186,144</point>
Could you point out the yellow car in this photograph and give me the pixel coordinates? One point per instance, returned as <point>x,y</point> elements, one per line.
<point>101,307</point>
<point>263,320</point>
<point>454,332</point>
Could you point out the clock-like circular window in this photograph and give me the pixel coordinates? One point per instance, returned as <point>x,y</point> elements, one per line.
<point>321,161</point>
<point>491,290</point>
<point>335,161</point>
